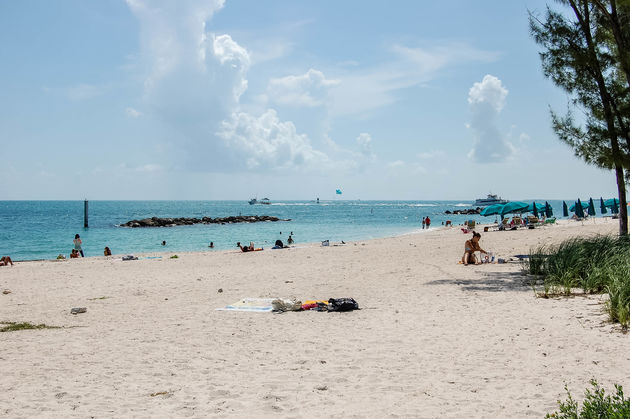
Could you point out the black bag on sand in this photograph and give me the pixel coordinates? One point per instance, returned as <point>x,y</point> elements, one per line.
<point>342,304</point>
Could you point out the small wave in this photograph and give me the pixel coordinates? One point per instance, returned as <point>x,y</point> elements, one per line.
<point>462,205</point>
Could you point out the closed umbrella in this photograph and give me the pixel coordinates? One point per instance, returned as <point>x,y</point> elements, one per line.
<point>565,210</point>
<point>579,209</point>
<point>548,210</point>
<point>591,207</point>
<point>492,210</point>
<point>615,208</point>
<point>573,207</point>
<point>514,206</point>
<point>613,204</point>
<point>602,206</point>
<point>535,210</point>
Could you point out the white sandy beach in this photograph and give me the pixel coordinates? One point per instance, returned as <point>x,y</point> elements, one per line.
<point>434,338</point>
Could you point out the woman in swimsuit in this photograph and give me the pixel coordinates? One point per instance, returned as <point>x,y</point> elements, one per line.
<point>470,247</point>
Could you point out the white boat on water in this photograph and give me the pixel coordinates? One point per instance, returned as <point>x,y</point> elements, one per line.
<point>265,201</point>
<point>490,200</point>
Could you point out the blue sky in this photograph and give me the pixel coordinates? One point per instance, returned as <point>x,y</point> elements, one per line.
<point>215,99</point>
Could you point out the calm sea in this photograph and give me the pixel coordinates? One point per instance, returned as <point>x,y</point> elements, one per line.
<point>44,229</point>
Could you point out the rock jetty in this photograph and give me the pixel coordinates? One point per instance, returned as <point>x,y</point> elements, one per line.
<point>182,221</point>
<point>467,211</point>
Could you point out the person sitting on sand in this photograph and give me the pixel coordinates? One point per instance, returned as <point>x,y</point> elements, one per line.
<point>107,251</point>
<point>74,254</point>
<point>470,247</point>
<point>279,245</point>
<point>5,261</point>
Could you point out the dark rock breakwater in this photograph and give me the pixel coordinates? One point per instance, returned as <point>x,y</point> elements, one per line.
<point>468,211</point>
<point>171,222</point>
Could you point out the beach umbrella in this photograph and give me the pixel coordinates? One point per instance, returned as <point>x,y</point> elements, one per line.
<point>591,207</point>
<point>615,208</point>
<point>492,210</point>
<point>579,209</point>
<point>535,210</point>
<point>602,206</point>
<point>573,207</point>
<point>565,210</point>
<point>548,210</point>
<point>514,206</point>
<point>613,202</point>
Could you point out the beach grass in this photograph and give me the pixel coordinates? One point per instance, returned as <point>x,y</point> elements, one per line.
<point>15,326</point>
<point>596,404</point>
<point>599,264</point>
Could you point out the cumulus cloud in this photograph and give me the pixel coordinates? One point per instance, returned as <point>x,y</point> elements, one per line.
<point>307,90</point>
<point>267,142</point>
<point>194,80</point>
<point>486,100</point>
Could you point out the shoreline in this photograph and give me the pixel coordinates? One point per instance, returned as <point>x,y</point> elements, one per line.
<point>433,337</point>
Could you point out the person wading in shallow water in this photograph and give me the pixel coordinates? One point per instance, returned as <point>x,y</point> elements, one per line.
<point>77,244</point>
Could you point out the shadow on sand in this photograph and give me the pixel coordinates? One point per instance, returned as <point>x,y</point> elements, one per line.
<point>491,282</point>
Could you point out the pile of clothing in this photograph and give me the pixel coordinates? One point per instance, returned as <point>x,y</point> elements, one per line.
<point>333,304</point>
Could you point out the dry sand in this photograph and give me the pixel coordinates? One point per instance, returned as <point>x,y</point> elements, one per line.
<point>433,339</point>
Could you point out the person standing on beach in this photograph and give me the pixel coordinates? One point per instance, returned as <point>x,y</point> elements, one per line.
<point>427,222</point>
<point>77,244</point>
<point>423,222</point>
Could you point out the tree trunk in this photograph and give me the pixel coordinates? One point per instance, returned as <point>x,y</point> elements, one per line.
<point>623,207</point>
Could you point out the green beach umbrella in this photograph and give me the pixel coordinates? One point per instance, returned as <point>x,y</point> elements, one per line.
<point>573,207</point>
<point>514,206</point>
<point>565,210</point>
<point>535,210</point>
<point>591,207</point>
<point>548,210</point>
<point>492,210</point>
<point>602,206</point>
<point>615,208</point>
<point>579,209</point>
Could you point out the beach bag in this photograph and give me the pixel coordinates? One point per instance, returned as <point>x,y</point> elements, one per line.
<point>342,304</point>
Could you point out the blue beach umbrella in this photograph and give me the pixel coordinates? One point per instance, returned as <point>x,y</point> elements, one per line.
<point>514,206</point>
<point>492,210</point>
<point>579,209</point>
<point>591,207</point>
<point>535,209</point>
<point>548,210</point>
<point>565,210</point>
<point>602,206</point>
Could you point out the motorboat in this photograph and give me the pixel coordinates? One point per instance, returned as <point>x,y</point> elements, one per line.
<point>252,201</point>
<point>265,201</point>
<point>490,200</point>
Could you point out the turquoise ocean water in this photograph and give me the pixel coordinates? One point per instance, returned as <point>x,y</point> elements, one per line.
<point>43,229</point>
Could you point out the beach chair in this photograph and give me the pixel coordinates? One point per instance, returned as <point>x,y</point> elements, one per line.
<point>550,220</point>
<point>504,224</point>
<point>532,221</point>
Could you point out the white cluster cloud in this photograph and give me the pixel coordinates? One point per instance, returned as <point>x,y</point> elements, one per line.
<point>267,142</point>
<point>486,100</point>
<point>194,80</point>
<point>308,89</point>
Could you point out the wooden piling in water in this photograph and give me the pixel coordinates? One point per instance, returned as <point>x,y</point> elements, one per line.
<point>85,213</point>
